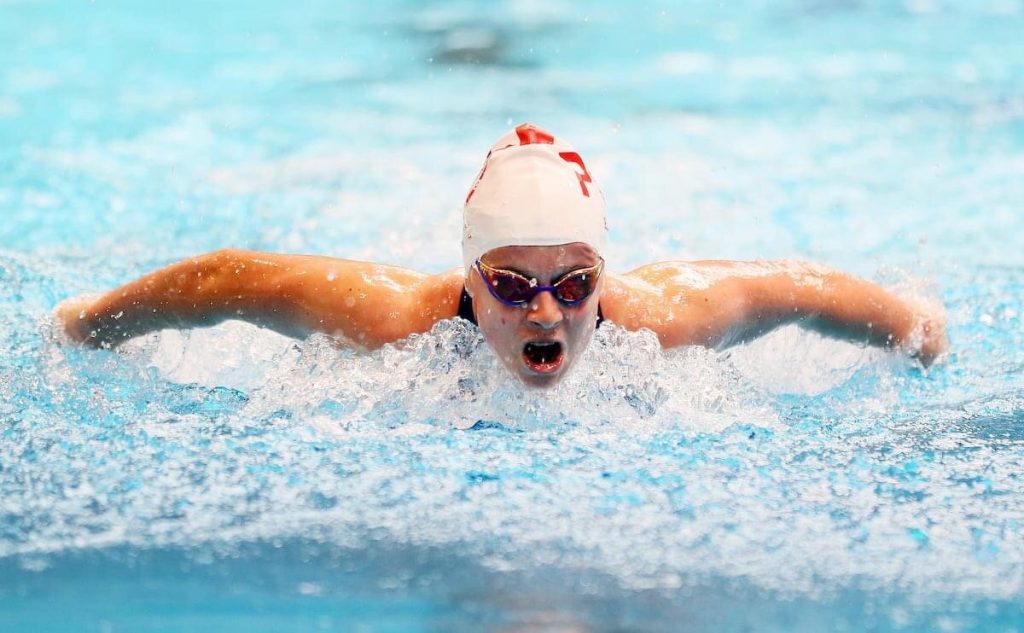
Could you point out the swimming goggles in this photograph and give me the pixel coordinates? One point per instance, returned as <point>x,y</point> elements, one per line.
<point>515,290</point>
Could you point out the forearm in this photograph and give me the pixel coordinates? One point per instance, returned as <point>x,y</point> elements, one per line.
<point>856,310</point>
<point>845,307</point>
<point>199,291</point>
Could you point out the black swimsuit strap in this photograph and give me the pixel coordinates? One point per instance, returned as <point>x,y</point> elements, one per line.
<point>466,309</point>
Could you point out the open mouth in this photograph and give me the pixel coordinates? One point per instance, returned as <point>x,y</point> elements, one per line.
<point>543,357</point>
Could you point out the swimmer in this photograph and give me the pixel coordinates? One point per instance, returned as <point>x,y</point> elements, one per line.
<point>533,280</point>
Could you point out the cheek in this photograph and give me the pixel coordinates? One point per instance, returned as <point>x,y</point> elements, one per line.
<point>583,324</point>
<point>495,320</point>
<point>497,331</point>
<point>492,317</point>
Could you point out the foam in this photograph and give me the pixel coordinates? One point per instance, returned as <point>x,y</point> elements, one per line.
<point>431,443</point>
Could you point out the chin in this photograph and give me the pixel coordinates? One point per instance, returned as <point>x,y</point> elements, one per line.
<point>543,380</point>
<point>546,381</point>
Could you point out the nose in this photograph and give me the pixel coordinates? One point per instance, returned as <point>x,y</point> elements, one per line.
<point>544,311</point>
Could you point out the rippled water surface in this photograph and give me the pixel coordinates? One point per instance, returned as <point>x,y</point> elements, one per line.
<point>231,479</point>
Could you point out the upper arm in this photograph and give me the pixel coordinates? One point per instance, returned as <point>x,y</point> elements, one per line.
<point>368,304</point>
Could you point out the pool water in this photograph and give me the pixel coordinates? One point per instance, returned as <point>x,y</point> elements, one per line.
<point>231,479</point>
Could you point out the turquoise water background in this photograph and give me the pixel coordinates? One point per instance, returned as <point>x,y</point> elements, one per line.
<point>231,479</point>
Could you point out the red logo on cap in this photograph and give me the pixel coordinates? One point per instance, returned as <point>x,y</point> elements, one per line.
<point>530,134</point>
<point>573,157</point>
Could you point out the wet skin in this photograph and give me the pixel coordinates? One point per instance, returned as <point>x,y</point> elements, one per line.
<point>508,329</point>
<point>709,303</point>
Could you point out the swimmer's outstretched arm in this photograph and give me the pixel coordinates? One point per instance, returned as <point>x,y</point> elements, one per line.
<point>295,295</point>
<point>722,303</point>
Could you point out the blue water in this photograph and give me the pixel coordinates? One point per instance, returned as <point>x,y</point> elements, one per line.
<point>233,480</point>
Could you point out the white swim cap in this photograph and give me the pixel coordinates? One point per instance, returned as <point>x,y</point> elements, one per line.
<point>533,190</point>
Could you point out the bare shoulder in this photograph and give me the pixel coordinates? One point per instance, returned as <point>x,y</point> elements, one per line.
<point>438,295</point>
<point>667,298</point>
<point>662,285</point>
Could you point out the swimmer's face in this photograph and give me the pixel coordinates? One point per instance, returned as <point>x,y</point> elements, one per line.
<point>539,342</point>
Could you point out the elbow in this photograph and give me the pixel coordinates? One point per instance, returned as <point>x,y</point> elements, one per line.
<point>206,286</point>
<point>220,258</point>
<point>194,271</point>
